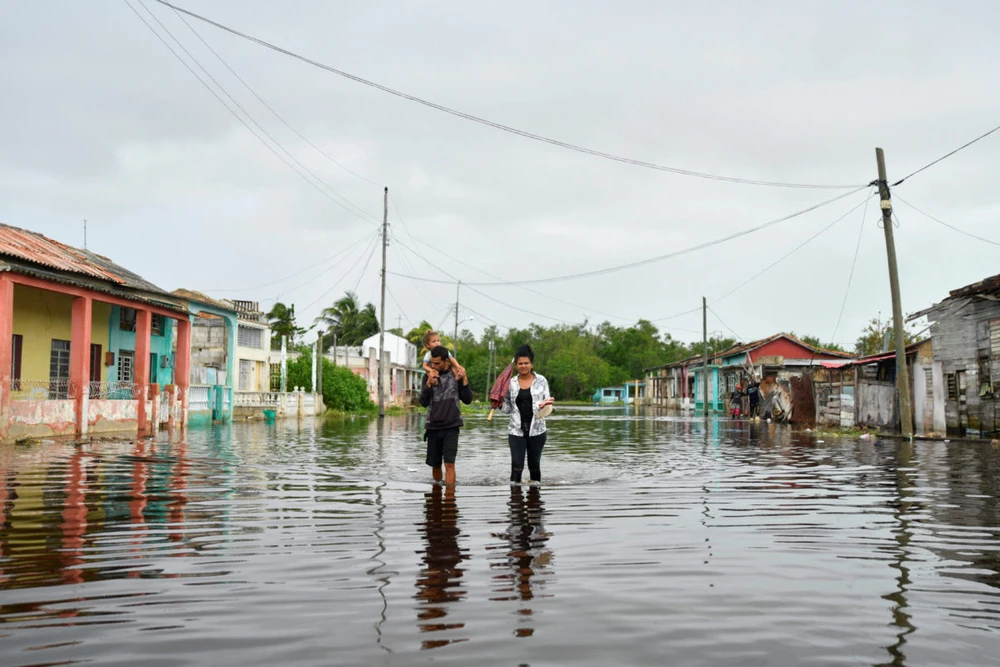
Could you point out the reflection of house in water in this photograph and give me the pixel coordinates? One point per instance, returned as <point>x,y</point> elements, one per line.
<point>439,582</point>
<point>524,556</point>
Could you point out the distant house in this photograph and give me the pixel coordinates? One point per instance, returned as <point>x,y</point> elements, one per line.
<point>965,328</point>
<point>85,344</point>
<point>403,372</point>
<point>782,357</point>
<point>625,394</point>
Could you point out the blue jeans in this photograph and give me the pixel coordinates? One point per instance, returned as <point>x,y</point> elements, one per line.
<point>519,446</point>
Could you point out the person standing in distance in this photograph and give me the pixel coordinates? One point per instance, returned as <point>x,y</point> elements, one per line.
<point>441,395</point>
<point>527,396</point>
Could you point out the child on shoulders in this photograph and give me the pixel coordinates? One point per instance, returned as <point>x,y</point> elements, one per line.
<point>431,340</point>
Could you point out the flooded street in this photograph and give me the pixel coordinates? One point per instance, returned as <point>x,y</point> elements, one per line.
<point>652,540</point>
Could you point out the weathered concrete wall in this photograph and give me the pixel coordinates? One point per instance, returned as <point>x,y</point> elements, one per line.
<point>964,344</point>
<point>105,416</point>
<point>876,404</point>
<point>39,419</point>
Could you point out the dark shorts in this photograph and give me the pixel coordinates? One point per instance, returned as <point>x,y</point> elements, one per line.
<point>441,445</point>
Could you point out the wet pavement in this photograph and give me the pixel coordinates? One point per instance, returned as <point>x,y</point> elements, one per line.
<point>652,540</point>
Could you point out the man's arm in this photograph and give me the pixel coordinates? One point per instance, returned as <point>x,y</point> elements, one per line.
<point>464,390</point>
<point>426,392</point>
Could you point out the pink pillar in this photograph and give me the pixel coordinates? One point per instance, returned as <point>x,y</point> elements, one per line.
<point>182,366</point>
<point>79,359</point>
<point>143,324</point>
<point>6,350</point>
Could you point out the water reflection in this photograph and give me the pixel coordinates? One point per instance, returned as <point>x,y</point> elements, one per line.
<point>439,585</point>
<point>522,572</point>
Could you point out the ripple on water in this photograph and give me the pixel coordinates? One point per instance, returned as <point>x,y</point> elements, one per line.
<point>653,539</point>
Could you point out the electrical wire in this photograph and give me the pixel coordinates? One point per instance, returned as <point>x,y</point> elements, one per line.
<point>364,269</point>
<point>500,126</point>
<point>393,297</point>
<point>522,287</point>
<point>947,155</point>
<point>319,186</point>
<point>292,275</point>
<point>791,252</point>
<point>850,276</point>
<point>942,222</point>
<point>268,106</point>
<point>651,260</point>
<point>351,247</point>
<point>347,273</point>
<point>738,337</point>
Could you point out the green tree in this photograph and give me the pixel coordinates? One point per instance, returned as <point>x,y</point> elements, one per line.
<point>875,333</point>
<point>350,322</point>
<point>815,342</point>
<point>342,389</point>
<point>281,319</point>
<point>416,334</point>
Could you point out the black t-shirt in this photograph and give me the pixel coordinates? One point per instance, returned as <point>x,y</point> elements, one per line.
<point>523,403</point>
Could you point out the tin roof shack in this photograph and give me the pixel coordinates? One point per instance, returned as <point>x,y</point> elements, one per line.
<point>671,385</point>
<point>876,403</point>
<point>783,365</point>
<point>965,327</point>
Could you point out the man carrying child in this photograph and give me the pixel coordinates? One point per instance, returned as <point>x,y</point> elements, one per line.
<point>444,386</point>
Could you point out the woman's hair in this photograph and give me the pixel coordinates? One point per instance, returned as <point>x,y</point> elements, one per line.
<point>524,351</point>
<point>430,333</point>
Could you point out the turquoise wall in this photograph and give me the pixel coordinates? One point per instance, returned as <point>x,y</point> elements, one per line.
<point>159,345</point>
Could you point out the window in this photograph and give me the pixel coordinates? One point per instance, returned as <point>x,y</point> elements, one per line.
<point>609,392</point>
<point>952,387</point>
<point>15,363</point>
<point>125,365</point>
<point>249,337</point>
<point>126,321</point>
<point>59,369</point>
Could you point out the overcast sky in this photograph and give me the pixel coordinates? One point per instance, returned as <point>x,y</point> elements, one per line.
<point>99,121</point>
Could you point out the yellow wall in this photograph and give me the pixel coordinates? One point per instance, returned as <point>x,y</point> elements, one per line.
<point>40,316</point>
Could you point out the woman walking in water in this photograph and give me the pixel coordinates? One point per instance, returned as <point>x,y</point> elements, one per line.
<point>528,402</point>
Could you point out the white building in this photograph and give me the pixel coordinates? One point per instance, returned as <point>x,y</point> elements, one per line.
<point>404,371</point>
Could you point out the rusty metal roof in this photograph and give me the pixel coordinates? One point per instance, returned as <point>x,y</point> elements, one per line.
<point>37,249</point>
<point>33,249</point>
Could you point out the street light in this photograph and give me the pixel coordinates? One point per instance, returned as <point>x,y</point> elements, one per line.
<point>457,322</point>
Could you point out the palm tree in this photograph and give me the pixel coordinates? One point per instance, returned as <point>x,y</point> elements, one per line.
<point>282,321</point>
<point>351,324</point>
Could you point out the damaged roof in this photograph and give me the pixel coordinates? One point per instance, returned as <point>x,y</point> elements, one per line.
<point>31,253</point>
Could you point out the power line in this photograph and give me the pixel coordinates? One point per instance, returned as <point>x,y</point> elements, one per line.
<point>792,251</point>
<point>268,106</point>
<point>850,276</point>
<point>324,272</point>
<point>292,275</point>
<point>483,294</point>
<point>346,273</point>
<point>364,269</point>
<point>393,296</point>
<point>320,187</point>
<point>738,337</point>
<point>651,260</point>
<point>500,126</point>
<point>527,289</point>
<point>675,316</point>
<point>942,222</point>
<point>947,155</point>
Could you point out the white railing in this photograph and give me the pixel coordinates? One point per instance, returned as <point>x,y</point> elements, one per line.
<point>198,398</point>
<point>256,399</point>
<point>114,391</point>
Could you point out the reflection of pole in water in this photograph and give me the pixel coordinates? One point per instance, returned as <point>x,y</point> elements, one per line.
<point>438,583</point>
<point>74,519</point>
<point>382,577</point>
<point>178,491</point>
<point>902,534</point>
<point>137,500</point>
<point>526,538</point>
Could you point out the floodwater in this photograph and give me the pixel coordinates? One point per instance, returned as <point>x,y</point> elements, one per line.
<point>653,540</point>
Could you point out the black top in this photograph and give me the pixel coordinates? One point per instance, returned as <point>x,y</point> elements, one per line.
<point>443,401</point>
<point>524,406</point>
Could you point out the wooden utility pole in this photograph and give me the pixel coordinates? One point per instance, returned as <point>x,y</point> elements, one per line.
<point>455,339</point>
<point>902,374</point>
<point>319,367</point>
<point>381,314</point>
<point>704,342</point>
